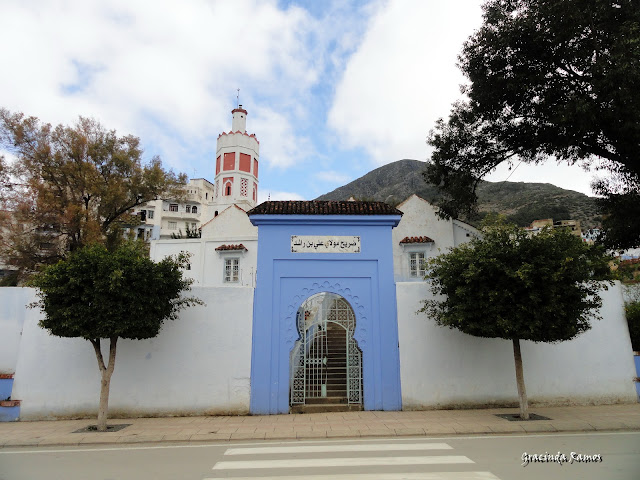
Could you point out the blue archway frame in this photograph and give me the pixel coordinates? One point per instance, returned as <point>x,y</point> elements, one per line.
<point>285,280</point>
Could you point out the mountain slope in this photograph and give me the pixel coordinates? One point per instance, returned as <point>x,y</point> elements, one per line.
<point>521,202</point>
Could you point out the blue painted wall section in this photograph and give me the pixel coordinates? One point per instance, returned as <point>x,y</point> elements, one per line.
<point>285,280</point>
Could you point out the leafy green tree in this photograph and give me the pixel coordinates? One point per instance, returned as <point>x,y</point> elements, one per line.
<point>71,186</point>
<point>509,285</point>
<point>95,294</point>
<point>547,79</point>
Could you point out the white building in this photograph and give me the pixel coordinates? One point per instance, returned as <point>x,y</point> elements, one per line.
<point>235,183</point>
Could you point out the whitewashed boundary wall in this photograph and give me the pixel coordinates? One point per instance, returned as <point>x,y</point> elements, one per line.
<point>12,315</point>
<point>199,364</point>
<point>444,368</point>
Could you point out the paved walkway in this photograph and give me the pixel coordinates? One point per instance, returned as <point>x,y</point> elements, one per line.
<point>321,425</point>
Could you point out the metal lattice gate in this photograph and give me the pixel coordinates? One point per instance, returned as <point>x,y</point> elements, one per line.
<point>326,360</point>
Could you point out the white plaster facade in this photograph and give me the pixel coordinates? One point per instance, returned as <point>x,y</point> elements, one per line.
<point>207,265</point>
<point>163,218</point>
<point>200,363</point>
<point>13,301</point>
<point>232,227</point>
<point>197,365</point>
<point>445,368</point>
<point>420,219</point>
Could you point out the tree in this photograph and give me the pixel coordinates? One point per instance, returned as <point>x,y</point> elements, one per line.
<point>547,79</point>
<point>542,288</point>
<point>95,294</point>
<point>71,186</point>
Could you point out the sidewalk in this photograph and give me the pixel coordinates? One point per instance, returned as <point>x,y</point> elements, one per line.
<point>322,425</point>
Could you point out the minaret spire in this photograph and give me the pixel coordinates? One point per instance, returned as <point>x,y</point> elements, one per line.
<point>237,157</point>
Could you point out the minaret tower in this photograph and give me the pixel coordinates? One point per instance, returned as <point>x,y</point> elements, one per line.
<point>237,153</point>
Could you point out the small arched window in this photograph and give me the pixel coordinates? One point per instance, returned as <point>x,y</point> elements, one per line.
<point>228,189</point>
<point>194,209</point>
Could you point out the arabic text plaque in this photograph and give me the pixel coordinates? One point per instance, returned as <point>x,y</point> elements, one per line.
<point>324,244</point>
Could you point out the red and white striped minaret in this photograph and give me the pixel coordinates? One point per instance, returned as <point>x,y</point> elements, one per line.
<point>237,155</point>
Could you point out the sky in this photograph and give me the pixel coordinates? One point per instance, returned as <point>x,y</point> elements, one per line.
<point>333,88</point>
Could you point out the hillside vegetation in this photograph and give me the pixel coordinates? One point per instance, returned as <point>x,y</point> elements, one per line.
<point>520,202</point>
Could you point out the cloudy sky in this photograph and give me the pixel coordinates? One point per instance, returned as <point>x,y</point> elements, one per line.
<point>333,89</point>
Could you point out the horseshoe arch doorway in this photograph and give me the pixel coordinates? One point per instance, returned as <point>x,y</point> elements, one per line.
<point>325,362</point>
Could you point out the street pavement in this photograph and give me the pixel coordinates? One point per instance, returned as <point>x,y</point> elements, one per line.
<point>430,423</point>
<point>566,456</point>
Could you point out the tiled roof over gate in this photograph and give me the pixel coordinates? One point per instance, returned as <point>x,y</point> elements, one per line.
<point>323,207</point>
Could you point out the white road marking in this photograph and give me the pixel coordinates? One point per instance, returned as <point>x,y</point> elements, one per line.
<point>380,476</point>
<point>343,462</point>
<point>383,447</point>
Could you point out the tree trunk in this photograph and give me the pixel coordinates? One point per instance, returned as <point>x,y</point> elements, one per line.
<point>105,380</point>
<point>522,391</point>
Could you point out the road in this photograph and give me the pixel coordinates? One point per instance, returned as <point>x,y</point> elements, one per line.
<point>614,456</point>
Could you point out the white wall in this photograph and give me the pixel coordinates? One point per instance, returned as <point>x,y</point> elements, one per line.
<point>207,264</point>
<point>198,364</point>
<point>12,315</point>
<point>441,367</point>
<point>231,227</point>
<point>420,219</point>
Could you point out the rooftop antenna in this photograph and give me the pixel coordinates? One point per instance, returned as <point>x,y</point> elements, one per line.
<point>238,99</point>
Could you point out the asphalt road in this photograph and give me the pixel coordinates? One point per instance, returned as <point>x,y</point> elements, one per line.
<point>613,456</point>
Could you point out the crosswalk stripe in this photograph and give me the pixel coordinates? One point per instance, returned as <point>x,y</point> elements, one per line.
<point>339,448</point>
<point>342,462</point>
<point>379,476</point>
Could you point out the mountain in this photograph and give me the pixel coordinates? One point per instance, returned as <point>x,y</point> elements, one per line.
<point>520,202</point>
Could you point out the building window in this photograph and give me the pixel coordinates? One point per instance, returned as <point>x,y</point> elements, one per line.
<point>243,186</point>
<point>194,209</point>
<point>173,225</point>
<point>193,226</point>
<point>173,207</point>
<point>188,208</point>
<point>231,269</point>
<point>227,189</point>
<point>149,214</point>
<point>417,265</point>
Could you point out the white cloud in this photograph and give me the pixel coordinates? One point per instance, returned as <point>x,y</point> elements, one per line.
<point>280,146</point>
<point>265,195</point>
<point>403,77</point>
<point>332,176</point>
<point>163,71</point>
<point>570,177</point>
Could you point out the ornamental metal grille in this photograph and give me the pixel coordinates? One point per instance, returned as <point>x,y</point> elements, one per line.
<point>326,360</point>
<point>243,186</point>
